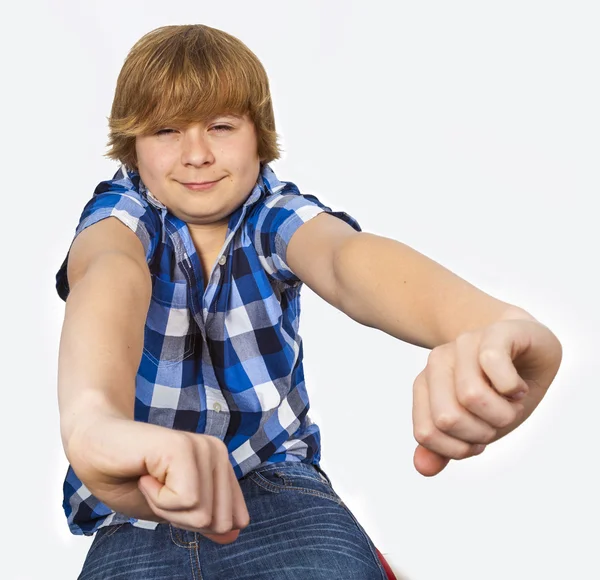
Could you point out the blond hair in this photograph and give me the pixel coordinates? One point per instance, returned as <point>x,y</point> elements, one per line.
<point>177,75</point>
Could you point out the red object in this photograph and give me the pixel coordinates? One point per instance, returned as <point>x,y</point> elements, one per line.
<point>386,566</point>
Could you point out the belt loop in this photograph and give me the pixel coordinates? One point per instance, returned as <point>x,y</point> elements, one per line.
<point>320,470</point>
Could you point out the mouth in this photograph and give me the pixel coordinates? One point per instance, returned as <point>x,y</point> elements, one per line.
<point>200,185</point>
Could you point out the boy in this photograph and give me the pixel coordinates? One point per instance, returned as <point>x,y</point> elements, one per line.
<point>184,413</point>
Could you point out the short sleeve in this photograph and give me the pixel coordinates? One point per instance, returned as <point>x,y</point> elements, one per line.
<point>114,199</point>
<point>275,221</point>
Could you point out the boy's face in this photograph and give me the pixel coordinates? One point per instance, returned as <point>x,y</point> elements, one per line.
<point>203,172</point>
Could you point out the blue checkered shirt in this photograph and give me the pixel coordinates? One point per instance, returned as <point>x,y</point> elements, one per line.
<point>225,360</point>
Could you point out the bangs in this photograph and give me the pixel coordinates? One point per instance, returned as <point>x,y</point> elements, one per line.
<point>189,97</point>
<point>187,82</point>
<point>175,76</point>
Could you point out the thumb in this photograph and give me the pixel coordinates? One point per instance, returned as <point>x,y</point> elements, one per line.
<point>150,487</point>
<point>159,495</point>
<point>428,463</point>
<point>226,538</point>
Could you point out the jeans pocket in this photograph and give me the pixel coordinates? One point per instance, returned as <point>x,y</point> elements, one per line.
<point>295,477</point>
<point>102,534</point>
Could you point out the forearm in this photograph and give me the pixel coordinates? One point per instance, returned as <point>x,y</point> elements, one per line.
<point>101,343</point>
<point>387,285</point>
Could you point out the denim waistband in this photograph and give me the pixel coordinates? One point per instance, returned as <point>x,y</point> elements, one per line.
<point>291,466</point>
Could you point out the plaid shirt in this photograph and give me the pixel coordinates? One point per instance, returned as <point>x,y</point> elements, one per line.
<point>225,360</point>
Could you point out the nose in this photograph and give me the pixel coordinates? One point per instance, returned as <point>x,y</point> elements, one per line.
<point>196,150</point>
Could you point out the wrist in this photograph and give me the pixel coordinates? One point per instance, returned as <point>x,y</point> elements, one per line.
<point>516,313</point>
<point>80,428</point>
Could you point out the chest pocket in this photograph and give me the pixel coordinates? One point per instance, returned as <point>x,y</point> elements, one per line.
<point>170,332</point>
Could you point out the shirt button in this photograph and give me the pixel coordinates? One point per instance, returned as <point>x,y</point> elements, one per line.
<point>217,407</point>
<point>222,260</point>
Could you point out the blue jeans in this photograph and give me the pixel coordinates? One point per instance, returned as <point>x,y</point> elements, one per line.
<point>299,530</point>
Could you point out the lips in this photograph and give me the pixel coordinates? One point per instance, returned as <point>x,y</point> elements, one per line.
<point>199,182</point>
<point>200,185</point>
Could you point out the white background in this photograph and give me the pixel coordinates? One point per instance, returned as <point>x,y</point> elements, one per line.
<point>468,130</point>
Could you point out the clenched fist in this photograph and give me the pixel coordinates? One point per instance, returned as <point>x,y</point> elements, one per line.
<point>480,387</point>
<point>160,474</point>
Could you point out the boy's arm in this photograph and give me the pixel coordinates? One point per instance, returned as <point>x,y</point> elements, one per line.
<point>100,351</point>
<point>387,285</point>
<point>103,331</point>
<point>146,471</point>
<point>476,341</point>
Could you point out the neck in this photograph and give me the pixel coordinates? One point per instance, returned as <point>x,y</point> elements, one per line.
<point>208,240</point>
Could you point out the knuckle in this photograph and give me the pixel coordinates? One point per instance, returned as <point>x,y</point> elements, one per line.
<point>436,355</point>
<point>506,420</point>
<point>447,420</point>
<point>513,415</point>
<point>222,527</point>
<point>419,380</point>
<point>489,356</point>
<point>223,452</point>
<point>217,446</point>
<point>188,501</point>
<point>186,498</point>
<point>203,441</point>
<point>463,451</point>
<point>470,396</point>
<point>424,435</point>
<point>185,444</point>
<point>490,436</point>
<point>464,340</point>
<point>202,520</point>
<point>432,356</point>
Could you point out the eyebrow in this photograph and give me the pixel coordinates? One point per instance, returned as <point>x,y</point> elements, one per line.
<point>233,115</point>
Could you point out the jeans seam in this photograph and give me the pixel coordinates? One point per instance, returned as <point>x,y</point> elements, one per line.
<point>304,466</point>
<point>269,486</point>
<point>194,551</point>
<point>178,541</point>
<point>299,476</point>
<point>278,466</point>
<point>369,542</point>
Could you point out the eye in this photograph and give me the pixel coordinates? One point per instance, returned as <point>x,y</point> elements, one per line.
<point>222,128</point>
<point>164,131</point>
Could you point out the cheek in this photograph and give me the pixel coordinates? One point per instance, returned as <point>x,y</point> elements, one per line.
<point>157,163</point>
<point>247,151</point>
<point>241,159</point>
<point>153,169</point>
